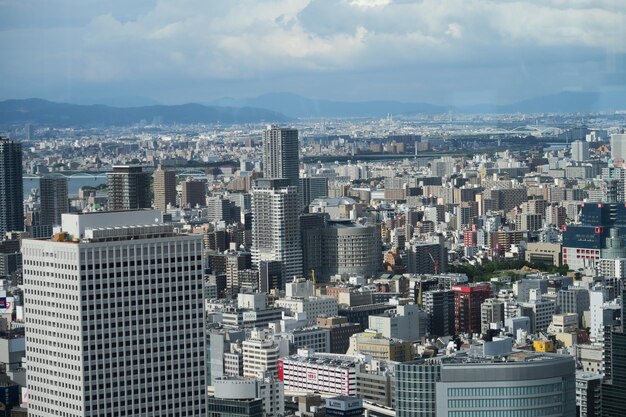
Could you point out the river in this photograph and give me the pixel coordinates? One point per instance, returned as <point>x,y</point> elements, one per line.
<point>73,185</point>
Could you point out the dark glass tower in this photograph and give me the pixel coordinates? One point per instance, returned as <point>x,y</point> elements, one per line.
<point>11,186</point>
<point>54,199</point>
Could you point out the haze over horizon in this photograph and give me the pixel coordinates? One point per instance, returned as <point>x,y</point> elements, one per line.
<point>458,53</point>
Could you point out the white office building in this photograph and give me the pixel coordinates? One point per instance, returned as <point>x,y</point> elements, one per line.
<point>618,146</point>
<point>312,306</point>
<point>261,353</point>
<point>580,151</point>
<point>114,318</point>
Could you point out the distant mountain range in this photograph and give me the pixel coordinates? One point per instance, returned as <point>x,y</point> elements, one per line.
<point>40,111</point>
<point>282,107</point>
<point>294,105</point>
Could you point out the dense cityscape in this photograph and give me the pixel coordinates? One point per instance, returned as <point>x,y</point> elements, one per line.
<point>446,265</point>
<point>313,208</point>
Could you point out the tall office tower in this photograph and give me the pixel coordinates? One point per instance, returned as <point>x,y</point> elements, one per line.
<point>311,226</point>
<point>194,193</point>
<point>11,187</point>
<point>618,146</point>
<point>439,304</point>
<point>164,188</point>
<point>580,151</point>
<point>311,188</point>
<point>467,303</point>
<point>129,188</point>
<point>281,152</point>
<point>276,226</point>
<point>30,132</point>
<point>54,199</point>
<point>114,318</point>
<point>270,275</point>
<point>614,385</point>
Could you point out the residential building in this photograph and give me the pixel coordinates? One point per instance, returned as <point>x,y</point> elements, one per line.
<point>164,188</point>
<point>281,151</point>
<point>276,226</point>
<point>128,188</point>
<point>11,186</point>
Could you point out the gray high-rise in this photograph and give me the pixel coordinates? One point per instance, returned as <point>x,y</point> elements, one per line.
<point>276,226</point>
<point>11,186</point>
<point>54,199</point>
<point>128,188</point>
<point>281,152</point>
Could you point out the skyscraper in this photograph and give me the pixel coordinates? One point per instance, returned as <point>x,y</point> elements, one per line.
<point>54,199</point>
<point>311,188</point>
<point>114,318</point>
<point>128,188</point>
<point>276,226</point>
<point>618,146</point>
<point>281,154</point>
<point>11,186</point>
<point>580,151</point>
<point>164,188</point>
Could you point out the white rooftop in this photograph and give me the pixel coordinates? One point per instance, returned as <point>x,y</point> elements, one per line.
<point>76,223</point>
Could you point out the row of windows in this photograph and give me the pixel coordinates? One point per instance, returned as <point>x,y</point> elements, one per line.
<point>548,411</point>
<point>130,264</point>
<point>505,402</point>
<point>504,391</point>
<point>171,376</point>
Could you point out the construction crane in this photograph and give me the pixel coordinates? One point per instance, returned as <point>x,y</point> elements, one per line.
<point>435,263</point>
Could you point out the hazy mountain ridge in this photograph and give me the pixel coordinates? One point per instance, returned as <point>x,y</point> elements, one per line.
<point>294,105</point>
<point>41,111</point>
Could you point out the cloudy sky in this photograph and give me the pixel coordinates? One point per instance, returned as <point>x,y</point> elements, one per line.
<point>439,51</point>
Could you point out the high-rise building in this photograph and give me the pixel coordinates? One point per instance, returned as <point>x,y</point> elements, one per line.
<point>580,151</point>
<point>614,385</point>
<point>129,188</point>
<point>618,146</point>
<point>281,152</point>
<point>573,300</point>
<point>467,306</point>
<point>276,226</point>
<point>220,208</point>
<point>350,248</point>
<point>427,257</point>
<point>125,306</point>
<point>439,305</point>
<point>54,199</point>
<point>310,188</point>
<point>164,188</point>
<point>193,193</point>
<point>11,187</point>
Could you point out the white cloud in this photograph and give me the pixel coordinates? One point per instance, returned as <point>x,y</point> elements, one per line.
<point>247,39</point>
